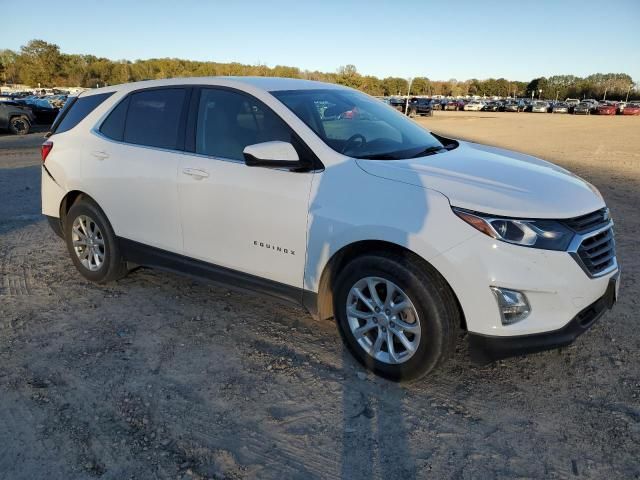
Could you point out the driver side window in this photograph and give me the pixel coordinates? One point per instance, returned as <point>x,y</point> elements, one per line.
<point>228,121</point>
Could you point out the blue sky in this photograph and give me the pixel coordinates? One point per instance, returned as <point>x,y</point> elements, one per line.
<point>439,39</point>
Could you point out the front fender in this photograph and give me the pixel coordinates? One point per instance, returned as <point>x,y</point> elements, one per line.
<point>408,215</point>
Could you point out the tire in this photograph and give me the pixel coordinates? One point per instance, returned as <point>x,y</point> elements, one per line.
<point>92,220</point>
<point>432,307</point>
<point>19,125</point>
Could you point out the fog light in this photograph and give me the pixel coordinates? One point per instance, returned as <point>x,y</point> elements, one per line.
<point>513,305</point>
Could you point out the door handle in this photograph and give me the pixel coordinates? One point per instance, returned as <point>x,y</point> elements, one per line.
<point>195,173</point>
<point>99,154</point>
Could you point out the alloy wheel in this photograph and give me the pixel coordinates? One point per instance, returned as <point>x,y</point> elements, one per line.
<point>88,242</point>
<point>383,320</point>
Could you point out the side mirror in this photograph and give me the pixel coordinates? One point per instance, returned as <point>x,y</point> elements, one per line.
<point>271,155</point>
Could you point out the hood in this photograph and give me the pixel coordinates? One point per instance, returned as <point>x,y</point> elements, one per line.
<point>495,181</point>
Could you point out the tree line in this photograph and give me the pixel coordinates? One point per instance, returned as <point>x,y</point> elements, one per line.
<point>42,63</point>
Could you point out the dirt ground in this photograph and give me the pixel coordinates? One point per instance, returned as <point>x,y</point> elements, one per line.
<point>159,376</point>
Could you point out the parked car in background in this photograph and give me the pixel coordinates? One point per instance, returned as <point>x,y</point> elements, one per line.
<point>397,103</point>
<point>138,174</point>
<point>16,118</point>
<point>560,107</point>
<point>540,106</point>
<point>514,106</point>
<point>583,108</point>
<point>594,104</point>
<point>491,107</point>
<point>403,105</point>
<point>606,109</point>
<point>631,109</point>
<point>421,106</point>
<point>572,102</point>
<point>451,105</point>
<point>474,106</point>
<point>42,109</point>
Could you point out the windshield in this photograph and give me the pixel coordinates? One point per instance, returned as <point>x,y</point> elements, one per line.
<point>359,126</point>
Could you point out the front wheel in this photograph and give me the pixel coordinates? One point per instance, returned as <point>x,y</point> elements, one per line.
<point>92,243</point>
<point>398,319</point>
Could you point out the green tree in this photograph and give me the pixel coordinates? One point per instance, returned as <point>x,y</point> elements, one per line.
<point>349,77</point>
<point>421,86</point>
<point>395,86</point>
<point>40,62</point>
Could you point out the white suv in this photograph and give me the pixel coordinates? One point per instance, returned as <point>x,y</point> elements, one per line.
<point>323,195</point>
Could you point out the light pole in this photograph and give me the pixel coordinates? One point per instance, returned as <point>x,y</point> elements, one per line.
<point>539,94</point>
<point>628,90</point>
<point>406,104</point>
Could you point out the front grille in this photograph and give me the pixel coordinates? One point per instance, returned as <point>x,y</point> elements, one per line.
<point>593,246</point>
<point>598,252</point>
<point>589,222</point>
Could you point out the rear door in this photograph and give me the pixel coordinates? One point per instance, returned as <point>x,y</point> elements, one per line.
<point>132,165</point>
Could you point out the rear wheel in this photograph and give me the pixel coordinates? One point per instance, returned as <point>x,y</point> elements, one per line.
<point>398,319</point>
<point>92,243</point>
<point>19,125</point>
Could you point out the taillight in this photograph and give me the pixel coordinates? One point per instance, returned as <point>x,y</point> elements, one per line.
<point>45,148</point>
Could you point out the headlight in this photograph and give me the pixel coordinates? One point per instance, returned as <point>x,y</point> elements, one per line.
<point>545,234</point>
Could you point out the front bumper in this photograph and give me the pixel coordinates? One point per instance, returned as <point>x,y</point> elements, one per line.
<point>555,284</point>
<point>484,348</point>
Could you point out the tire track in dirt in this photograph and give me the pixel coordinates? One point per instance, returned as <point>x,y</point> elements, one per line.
<point>16,269</point>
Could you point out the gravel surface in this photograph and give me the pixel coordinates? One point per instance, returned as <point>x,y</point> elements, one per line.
<point>158,376</point>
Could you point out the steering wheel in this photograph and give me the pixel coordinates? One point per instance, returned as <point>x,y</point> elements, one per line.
<point>352,140</point>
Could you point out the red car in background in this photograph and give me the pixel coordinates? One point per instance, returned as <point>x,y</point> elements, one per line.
<point>631,109</point>
<point>606,109</point>
<point>451,105</point>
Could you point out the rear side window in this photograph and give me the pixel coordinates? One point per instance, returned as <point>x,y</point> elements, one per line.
<point>153,117</point>
<point>78,110</point>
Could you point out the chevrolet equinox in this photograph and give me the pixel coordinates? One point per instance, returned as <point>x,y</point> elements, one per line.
<point>325,196</point>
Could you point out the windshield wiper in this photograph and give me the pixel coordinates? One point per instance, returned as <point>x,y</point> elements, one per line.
<point>429,151</point>
<point>400,155</point>
<point>378,156</point>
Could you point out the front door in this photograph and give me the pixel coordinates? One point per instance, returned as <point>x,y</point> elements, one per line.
<point>249,219</point>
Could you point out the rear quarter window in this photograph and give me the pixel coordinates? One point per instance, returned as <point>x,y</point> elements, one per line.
<point>77,111</point>
<point>113,126</point>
